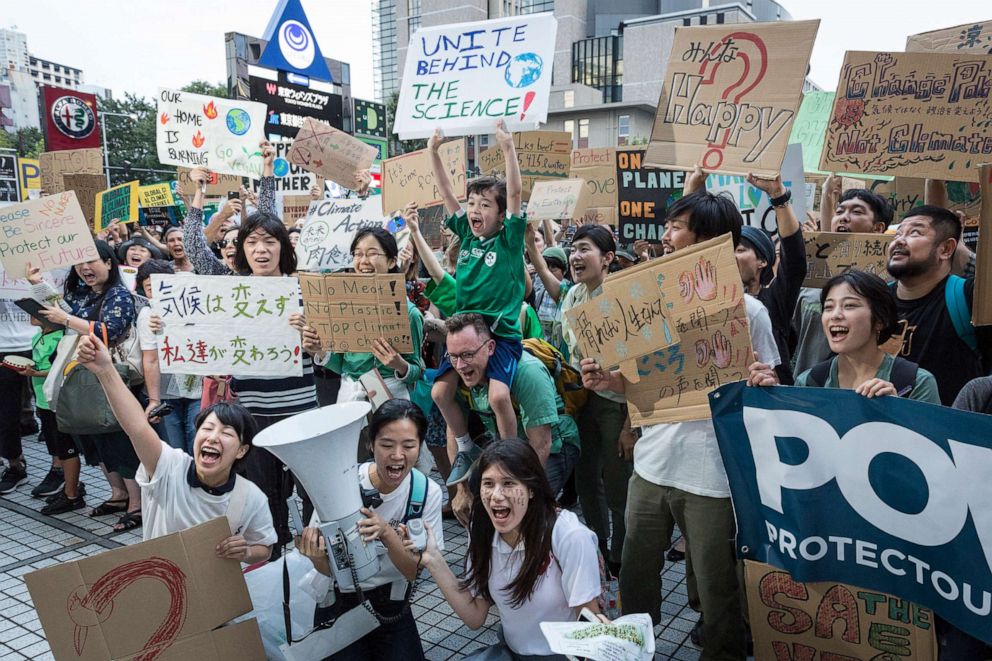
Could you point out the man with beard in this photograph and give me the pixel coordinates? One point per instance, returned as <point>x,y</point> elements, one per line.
<point>934,306</point>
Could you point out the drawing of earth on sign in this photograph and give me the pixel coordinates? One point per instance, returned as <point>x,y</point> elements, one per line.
<point>238,121</point>
<point>524,70</point>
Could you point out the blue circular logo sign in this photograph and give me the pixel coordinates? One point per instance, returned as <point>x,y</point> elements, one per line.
<point>281,167</point>
<point>524,70</point>
<point>72,117</point>
<point>296,44</point>
<point>238,121</point>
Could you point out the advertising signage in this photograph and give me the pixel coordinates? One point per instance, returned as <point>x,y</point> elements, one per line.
<point>289,104</point>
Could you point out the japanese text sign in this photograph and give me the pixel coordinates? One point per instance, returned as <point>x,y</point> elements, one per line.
<point>832,253</point>
<point>967,38</point>
<point>463,77</point>
<point>598,167</point>
<point>911,114</point>
<point>220,134</point>
<point>730,95</point>
<point>118,203</point>
<point>351,310</point>
<point>331,224</point>
<point>67,161</point>
<point>410,177</point>
<point>50,232</point>
<point>227,325</point>
<point>324,150</point>
<point>562,199</point>
<point>541,155</point>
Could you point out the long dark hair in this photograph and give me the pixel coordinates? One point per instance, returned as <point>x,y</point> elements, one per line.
<point>106,253</point>
<point>386,241</point>
<point>271,225</point>
<point>881,300</point>
<point>518,459</point>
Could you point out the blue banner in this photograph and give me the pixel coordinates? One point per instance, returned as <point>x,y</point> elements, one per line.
<point>886,494</point>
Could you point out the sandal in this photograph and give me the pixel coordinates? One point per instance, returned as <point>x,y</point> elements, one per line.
<point>113,506</point>
<point>129,521</point>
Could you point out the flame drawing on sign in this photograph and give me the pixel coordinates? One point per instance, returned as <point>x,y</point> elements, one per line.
<point>164,118</point>
<point>713,157</point>
<point>210,111</point>
<point>87,608</point>
<point>198,140</point>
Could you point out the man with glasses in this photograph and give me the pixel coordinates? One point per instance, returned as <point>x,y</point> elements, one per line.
<point>541,417</point>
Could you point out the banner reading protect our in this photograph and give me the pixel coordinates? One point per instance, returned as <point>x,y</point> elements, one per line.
<point>886,493</point>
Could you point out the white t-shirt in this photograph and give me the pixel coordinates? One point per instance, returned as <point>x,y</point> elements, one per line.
<point>570,580</point>
<point>16,331</point>
<point>171,386</point>
<point>169,504</point>
<point>392,510</point>
<point>685,455</point>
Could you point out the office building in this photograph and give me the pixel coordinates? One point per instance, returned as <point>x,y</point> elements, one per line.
<point>46,72</point>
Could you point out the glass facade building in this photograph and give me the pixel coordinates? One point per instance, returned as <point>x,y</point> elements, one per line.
<point>598,63</point>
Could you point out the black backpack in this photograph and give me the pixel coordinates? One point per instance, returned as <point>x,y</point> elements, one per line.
<point>903,374</point>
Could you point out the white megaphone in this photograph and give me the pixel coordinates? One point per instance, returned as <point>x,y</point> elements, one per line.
<point>320,448</point>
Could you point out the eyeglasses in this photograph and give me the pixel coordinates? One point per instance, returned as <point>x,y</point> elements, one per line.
<point>223,243</point>
<point>370,255</point>
<point>465,356</point>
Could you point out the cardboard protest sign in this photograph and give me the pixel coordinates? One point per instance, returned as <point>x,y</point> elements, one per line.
<point>598,168</point>
<point>119,203</point>
<point>730,96</point>
<point>218,186</point>
<point>703,286</point>
<point>793,620</point>
<point>351,310</point>
<point>325,241</point>
<point>431,224</point>
<point>67,161</point>
<point>156,195</point>
<point>563,199</point>
<point>220,134</point>
<point>913,114</point>
<point>87,187</point>
<point>324,150</point>
<point>832,253</point>
<point>410,177</point>
<point>644,195</point>
<point>294,207</point>
<point>163,599</point>
<point>967,38</point>
<point>981,314</point>
<point>227,325</point>
<point>541,155</point>
<point>463,77</point>
<point>50,232</point>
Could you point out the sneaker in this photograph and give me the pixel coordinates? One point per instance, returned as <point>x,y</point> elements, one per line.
<point>12,477</point>
<point>81,492</point>
<point>696,635</point>
<point>62,503</point>
<point>51,485</point>
<point>461,467</point>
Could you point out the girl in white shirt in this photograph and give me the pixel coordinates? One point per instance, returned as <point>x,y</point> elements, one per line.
<point>534,562</point>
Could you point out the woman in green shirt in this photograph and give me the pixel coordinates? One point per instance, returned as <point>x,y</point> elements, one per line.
<point>859,316</point>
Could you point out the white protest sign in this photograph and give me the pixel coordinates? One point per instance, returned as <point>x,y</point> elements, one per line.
<point>325,242</point>
<point>14,288</point>
<point>220,134</point>
<point>627,638</point>
<point>50,232</point>
<point>464,77</point>
<point>224,324</point>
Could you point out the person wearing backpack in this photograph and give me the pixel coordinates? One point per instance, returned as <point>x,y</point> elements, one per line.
<point>395,493</point>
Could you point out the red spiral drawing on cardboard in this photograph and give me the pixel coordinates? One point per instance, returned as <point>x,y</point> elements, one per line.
<point>93,606</point>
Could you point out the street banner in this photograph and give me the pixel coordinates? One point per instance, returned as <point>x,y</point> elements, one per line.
<point>598,168</point>
<point>50,232</point>
<point>54,164</point>
<point>541,155</point>
<point>410,177</point>
<point>330,227</point>
<point>967,38</point>
<point>643,197</point>
<point>70,119</point>
<point>119,203</point>
<point>87,187</point>
<point>330,153</point>
<point>886,493</point>
<point>832,253</point>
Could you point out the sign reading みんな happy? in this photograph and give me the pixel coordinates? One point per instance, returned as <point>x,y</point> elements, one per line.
<point>466,76</point>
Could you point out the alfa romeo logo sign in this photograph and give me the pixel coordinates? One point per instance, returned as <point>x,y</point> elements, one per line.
<point>73,117</point>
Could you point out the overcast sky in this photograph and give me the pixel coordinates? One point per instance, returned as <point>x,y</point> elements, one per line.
<point>140,45</point>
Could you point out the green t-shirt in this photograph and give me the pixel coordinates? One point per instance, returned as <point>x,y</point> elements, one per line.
<point>489,277</point>
<point>537,402</point>
<point>353,365</point>
<point>442,295</point>
<point>42,351</point>
<point>924,390</point>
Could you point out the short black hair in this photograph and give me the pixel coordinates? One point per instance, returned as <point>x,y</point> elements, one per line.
<point>151,266</point>
<point>386,241</point>
<point>232,415</point>
<point>945,222</point>
<point>600,235</point>
<point>710,215</point>
<point>881,300</point>
<point>879,205</point>
<point>482,184</point>
<point>397,409</point>
<point>271,225</point>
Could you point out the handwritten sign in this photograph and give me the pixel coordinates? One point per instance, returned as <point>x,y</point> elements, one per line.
<point>982,308</point>
<point>15,286</point>
<point>156,195</point>
<point>67,161</point>
<point>563,199</point>
<point>644,195</point>
<point>730,96</point>
<point>227,325</point>
<point>832,253</point>
<point>598,168</point>
<point>294,207</point>
<point>703,286</point>
<point>410,177</point>
<point>793,620</point>
<point>117,203</point>
<point>219,185</point>
<point>463,77</point>
<point>87,187</point>
<point>913,114</point>
<point>220,134</point>
<point>50,232</point>
<point>324,150</point>
<point>967,38</point>
<point>325,241</point>
<point>351,310</point>
<point>541,155</point>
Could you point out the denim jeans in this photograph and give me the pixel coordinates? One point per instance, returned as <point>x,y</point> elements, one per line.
<point>179,428</point>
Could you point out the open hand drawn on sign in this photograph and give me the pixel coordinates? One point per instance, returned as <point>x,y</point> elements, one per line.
<point>719,350</point>
<point>700,281</point>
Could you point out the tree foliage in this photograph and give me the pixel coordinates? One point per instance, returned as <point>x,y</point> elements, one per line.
<point>396,146</point>
<point>27,141</point>
<point>203,87</point>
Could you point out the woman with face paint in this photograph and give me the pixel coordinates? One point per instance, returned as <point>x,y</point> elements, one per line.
<point>534,562</point>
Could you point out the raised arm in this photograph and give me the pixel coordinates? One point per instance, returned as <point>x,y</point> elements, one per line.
<point>434,268</point>
<point>551,283</point>
<point>471,610</point>
<point>935,192</point>
<point>267,184</point>
<point>695,182</point>
<point>832,190</point>
<point>152,240</point>
<point>194,240</point>
<point>788,224</point>
<point>514,186</point>
<point>216,227</point>
<point>441,177</point>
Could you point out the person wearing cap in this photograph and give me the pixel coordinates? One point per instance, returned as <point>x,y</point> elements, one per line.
<point>136,251</point>
<point>546,304</point>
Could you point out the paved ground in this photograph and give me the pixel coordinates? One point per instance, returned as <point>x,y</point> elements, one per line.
<point>30,541</point>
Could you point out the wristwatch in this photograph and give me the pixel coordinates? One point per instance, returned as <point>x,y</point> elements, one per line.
<point>781,200</point>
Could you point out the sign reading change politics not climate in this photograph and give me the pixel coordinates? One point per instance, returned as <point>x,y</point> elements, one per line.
<point>464,77</point>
